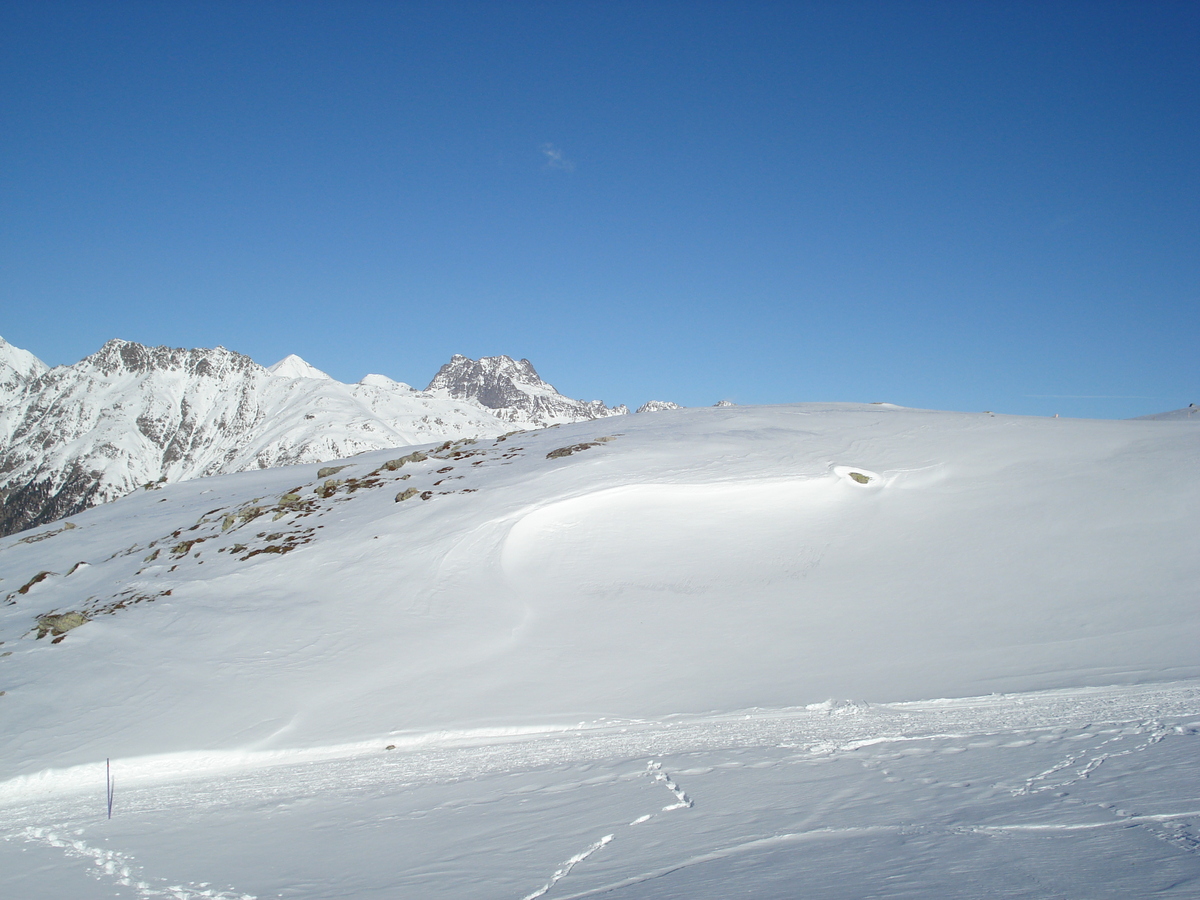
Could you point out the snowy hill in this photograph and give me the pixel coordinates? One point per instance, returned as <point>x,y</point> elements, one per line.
<point>603,655</point>
<point>1188,412</point>
<point>130,416</point>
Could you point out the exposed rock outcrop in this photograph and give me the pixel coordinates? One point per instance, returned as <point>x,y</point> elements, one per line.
<point>513,390</point>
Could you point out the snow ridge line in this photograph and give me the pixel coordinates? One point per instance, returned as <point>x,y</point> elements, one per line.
<point>565,869</point>
<point>123,871</point>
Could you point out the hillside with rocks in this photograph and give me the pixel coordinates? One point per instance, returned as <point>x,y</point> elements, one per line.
<point>871,651</point>
<point>132,417</point>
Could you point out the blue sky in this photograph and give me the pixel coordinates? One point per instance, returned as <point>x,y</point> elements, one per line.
<point>950,205</point>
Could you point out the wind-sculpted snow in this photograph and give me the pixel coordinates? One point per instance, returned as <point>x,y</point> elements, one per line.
<point>602,657</point>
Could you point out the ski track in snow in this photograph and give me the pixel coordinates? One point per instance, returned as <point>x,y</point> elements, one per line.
<point>1156,732</point>
<point>122,870</point>
<point>565,870</point>
<point>1110,723</point>
<point>654,769</point>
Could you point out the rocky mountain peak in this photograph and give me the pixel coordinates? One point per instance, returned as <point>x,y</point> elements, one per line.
<point>658,406</point>
<point>118,356</point>
<point>493,381</point>
<point>514,390</point>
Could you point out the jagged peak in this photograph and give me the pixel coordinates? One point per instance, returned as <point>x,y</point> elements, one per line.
<point>513,386</point>
<point>487,370</point>
<point>658,406</point>
<point>120,355</point>
<point>292,366</point>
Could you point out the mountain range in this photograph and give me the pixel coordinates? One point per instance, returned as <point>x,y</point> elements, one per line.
<point>131,416</point>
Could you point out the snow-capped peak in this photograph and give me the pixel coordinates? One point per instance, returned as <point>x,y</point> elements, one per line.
<point>658,406</point>
<point>382,381</point>
<point>17,368</point>
<point>129,416</point>
<point>512,390</point>
<point>292,366</point>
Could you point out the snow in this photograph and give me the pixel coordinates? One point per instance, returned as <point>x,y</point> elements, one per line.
<point>17,369</point>
<point>658,406</point>
<point>696,656</point>
<point>292,366</point>
<point>130,416</point>
<point>134,415</point>
<point>1188,412</point>
<point>382,381</point>
<point>513,390</point>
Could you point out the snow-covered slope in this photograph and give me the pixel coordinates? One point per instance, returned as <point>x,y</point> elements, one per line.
<point>603,654</point>
<point>514,392</point>
<point>714,559</point>
<point>130,416</point>
<point>1188,412</point>
<point>17,369</point>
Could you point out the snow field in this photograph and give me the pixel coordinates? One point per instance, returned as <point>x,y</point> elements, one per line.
<point>558,644</point>
<point>1033,795</point>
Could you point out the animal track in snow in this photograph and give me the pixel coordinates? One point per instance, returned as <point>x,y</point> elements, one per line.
<point>1155,731</point>
<point>684,801</point>
<point>122,870</point>
<point>652,768</point>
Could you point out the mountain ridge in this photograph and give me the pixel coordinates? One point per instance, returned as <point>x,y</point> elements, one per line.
<point>131,416</point>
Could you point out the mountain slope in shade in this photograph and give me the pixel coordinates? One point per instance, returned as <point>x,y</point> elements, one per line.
<point>131,416</point>
<point>513,391</point>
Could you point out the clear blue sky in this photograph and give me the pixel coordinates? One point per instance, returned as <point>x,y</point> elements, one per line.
<point>959,205</point>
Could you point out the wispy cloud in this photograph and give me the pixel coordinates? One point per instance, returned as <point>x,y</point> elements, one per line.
<point>1086,397</point>
<point>555,158</point>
